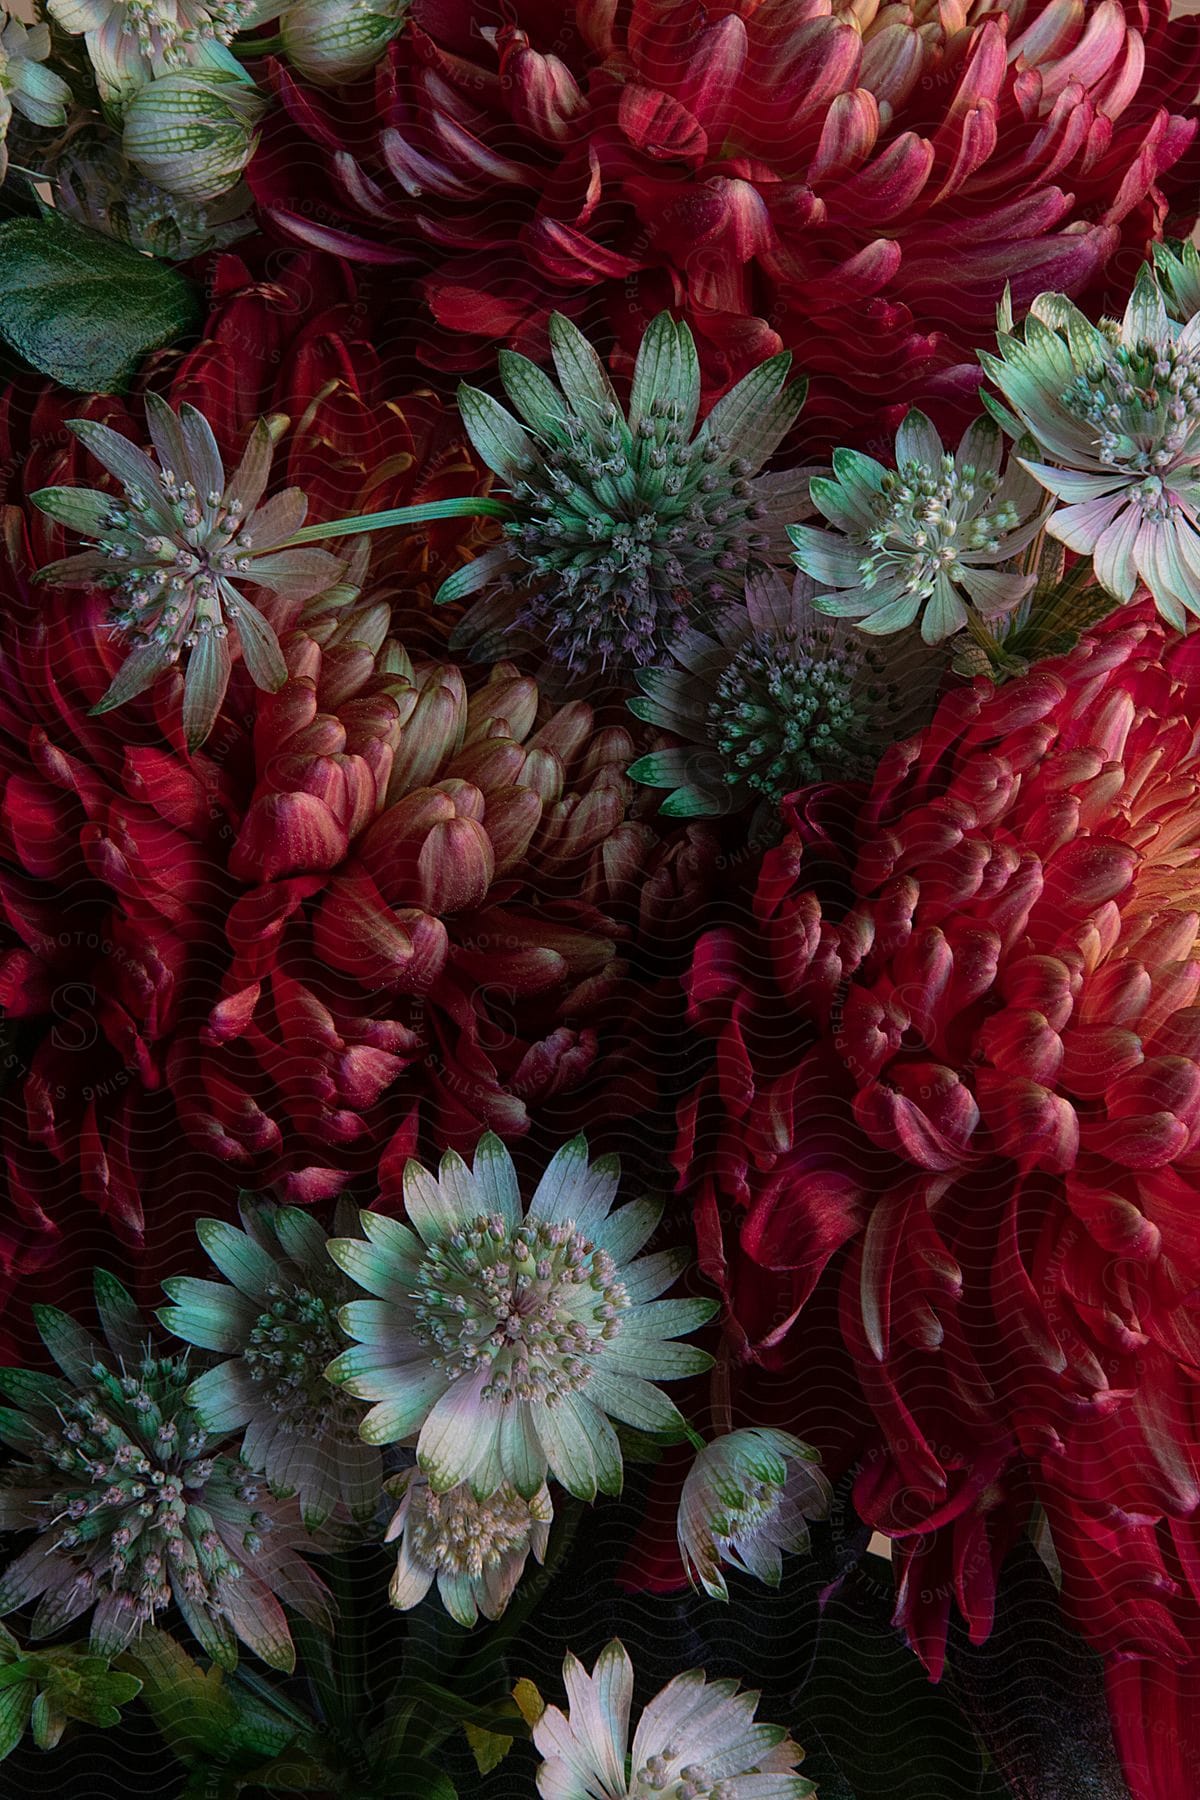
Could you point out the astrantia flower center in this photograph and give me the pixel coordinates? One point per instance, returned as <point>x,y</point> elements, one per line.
<point>287,1353</point>
<point>927,518</point>
<point>659,1779</point>
<point>460,1535</point>
<point>784,711</point>
<point>170,589</point>
<point>1143,401</point>
<point>533,1306</point>
<point>133,1473</point>
<point>743,1513</point>
<point>170,28</point>
<point>625,540</point>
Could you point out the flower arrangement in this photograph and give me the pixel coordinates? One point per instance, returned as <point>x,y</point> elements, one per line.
<point>599,957</point>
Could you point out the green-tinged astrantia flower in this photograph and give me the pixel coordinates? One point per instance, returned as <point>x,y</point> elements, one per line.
<point>97,185</point>
<point>45,1690</point>
<point>27,86</point>
<point>338,40</point>
<point>1178,267</point>
<point>697,1740</point>
<point>624,527</point>
<point>276,1325</point>
<point>177,552</point>
<point>744,1505</point>
<point>1116,411</point>
<point>775,698</point>
<point>508,1336</point>
<point>932,537</point>
<point>193,132</point>
<point>135,1505</point>
<point>476,1550</point>
<point>129,41</point>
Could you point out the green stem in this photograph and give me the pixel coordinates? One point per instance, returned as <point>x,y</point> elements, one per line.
<point>279,1702</point>
<point>470,506</point>
<point>267,46</point>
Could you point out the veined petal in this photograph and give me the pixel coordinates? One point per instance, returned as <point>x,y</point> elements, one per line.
<point>522,1456</point>
<point>432,1210</point>
<point>248,482</point>
<point>204,686</point>
<point>624,1232</point>
<point>647,1278</point>
<point>993,590</point>
<point>456,1436</point>
<point>1071,485</point>
<point>208,1314</point>
<point>829,560</point>
<point>504,445</point>
<point>225,1397</point>
<point>567,1446</point>
<point>1112,557</point>
<point>917,441</point>
<point>496,1180</point>
<point>131,466</point>
<point>243,1262</point>
<point>297,574</point>
<point>632,1400</point>
<point>84,510</point>
<point>667,1318</point>
<point>554,1198</point>
<point>981,448</point>
<point>373,1268</point>
<point>411,1580</point>
<point>413,1393</point>
<point>1081,527</point>
<point>653,1359</point>
<point>260,647</point>
<point>141,667</point>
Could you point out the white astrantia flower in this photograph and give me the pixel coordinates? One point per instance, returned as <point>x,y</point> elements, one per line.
<point>331,41</point>
<point>932,538</point>
<point>136,1506</point>
<point>176,552</point>
<point>193,132</point>
<point>476,1550</point>
<point>1115,410</point>
<point>697,1740</point>
<point>130,41</point>
<point>748,1497</point>
<point>277,1327</point>
<point>625,523</point>
<point>505,1338</point>
<point>775,698</point>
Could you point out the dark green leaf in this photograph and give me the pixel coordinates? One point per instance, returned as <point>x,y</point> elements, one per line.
<point>83,308</point>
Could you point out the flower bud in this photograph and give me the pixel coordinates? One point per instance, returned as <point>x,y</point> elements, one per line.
<point>192,132</point>
<point>339,40</point>
<point>97,186</point>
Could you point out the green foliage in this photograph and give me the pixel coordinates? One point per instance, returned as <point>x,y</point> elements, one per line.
<point>45,1690</point>
<point>83,308</point>
<point>201,1713</point>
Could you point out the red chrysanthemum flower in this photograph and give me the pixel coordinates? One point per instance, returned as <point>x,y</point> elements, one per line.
<point>376,904</point>
<point>966,1095</point>
<point>372,903</point>
<point>853,182</point>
